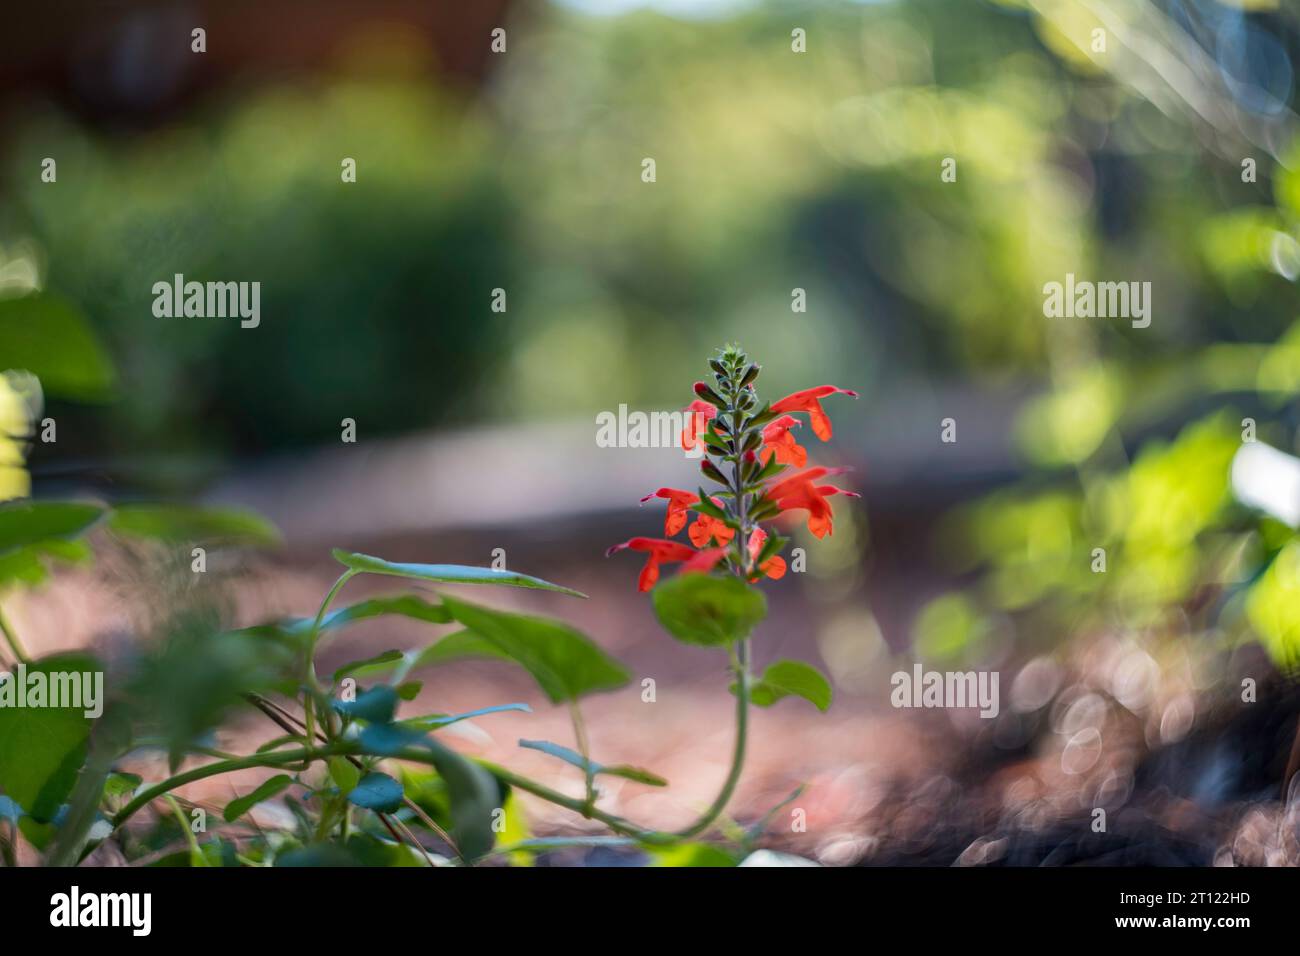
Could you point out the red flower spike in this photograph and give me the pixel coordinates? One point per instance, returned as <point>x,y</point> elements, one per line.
<point>703,411</point>
<point>778,441</point>
<point>678,504</point>
<point>809,400</point>
<point>659,551</point>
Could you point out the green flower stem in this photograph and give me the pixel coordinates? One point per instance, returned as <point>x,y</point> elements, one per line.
<point>11,638</point>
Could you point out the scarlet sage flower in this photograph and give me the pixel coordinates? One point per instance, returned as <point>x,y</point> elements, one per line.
<point>708,529</point>
<point>778,441</point>
<point>812,498</point>
<point>809,400</point>
<point>701,412</point>
<point>678,503</point>
<point>773,567</point>
<point>658,551</point>
<point>748,447</point>
<point>704,561</point>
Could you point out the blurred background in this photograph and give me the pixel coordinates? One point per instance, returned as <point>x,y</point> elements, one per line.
<point>1166,155</point>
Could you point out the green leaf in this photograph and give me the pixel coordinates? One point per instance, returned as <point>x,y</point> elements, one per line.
<point>459,646</point>
<point>273,787</point>
<point>27,523</point>
<point>706,506</point>
<point>573,757</point>
<point>786,678</point>
<point>49,337</point>
<point>446,573</point>
<point>565,664</point>
<point>189,523</point>
<point>382,658</point>
<point>406,605</point>
<point>42,749</point>
<point>122,784</point>
<point>409,690</point>
<point>378,792</point>
<point>435,721</point>
<point>690,855</point>
<point>344,774</point>
<point>709,610</point>
<point>376,705</point>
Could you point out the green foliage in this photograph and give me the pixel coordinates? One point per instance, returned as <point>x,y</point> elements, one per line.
<point>445,573</point>
<point>565,664</point>
<point>49,337</point>
<point>27,524</point>
<point>787,678</point>
<point>187,524</point>
<point>42,749</point>
<point>591,767</point>
<point>708,610</point>
<point>271,788</point>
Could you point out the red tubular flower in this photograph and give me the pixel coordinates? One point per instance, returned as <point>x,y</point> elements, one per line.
<point>708,529</point>
<point>701,411</point>
<point>658,550</point>
<point>778,490</point>
<point>678,504</point>
<point>773,567</point>
<point>778,441</point>
<point>703,562</point>
<point>748,448</point>
<point>809,400</point>
<point>812,498</point>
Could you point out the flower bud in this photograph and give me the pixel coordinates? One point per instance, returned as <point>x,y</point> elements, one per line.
<point>710,470</point>
<point>709,395</point>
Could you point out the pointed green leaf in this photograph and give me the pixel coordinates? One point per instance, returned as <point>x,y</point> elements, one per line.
<point>565,664</point>
<point>378,792</point>
<point>273,787</point>
<point>406,605</point>
<point>24,523</point>
<point>625,771</point>
<point>190,523</point>
<point>376,705</point>
<point>446,573</point>
<point>435,721</point>
<point>787,678</point>
<point>386,657</point>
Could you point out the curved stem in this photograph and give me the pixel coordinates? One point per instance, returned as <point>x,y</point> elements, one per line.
<point>11,638</point>
<point>309,667</point>
<point>738,752</point>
